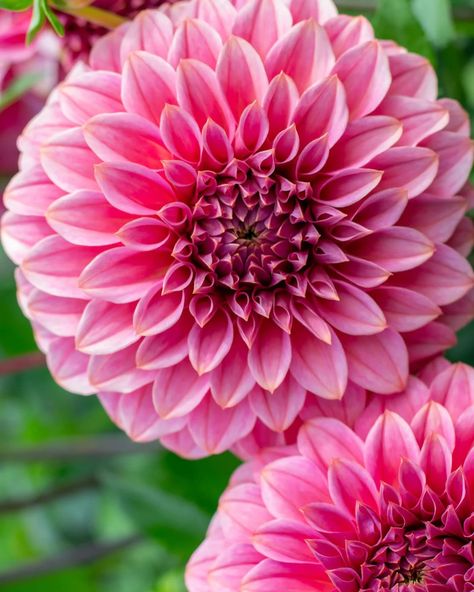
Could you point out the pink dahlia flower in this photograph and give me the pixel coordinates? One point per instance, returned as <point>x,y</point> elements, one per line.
<point>390,510</point>
<point>235,207</point>
<point>17,61</point>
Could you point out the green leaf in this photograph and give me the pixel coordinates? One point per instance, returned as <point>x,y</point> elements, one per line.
<point>394,19</point>
<point>37,21</point>
<point>52,18</point>
<point>178,524</point>
<point>436,19</point>
<point>15,5</point>
<point>18,88</point>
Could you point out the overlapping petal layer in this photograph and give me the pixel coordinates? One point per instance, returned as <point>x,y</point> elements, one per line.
<point>234,207</point>
<point>385,505</point>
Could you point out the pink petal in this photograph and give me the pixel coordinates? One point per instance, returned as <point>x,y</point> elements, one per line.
<point>363,140</point>
<point>125,137</point>
<point>232,380</point>
<point>68,161</point>
<point>325,439</point>
<point>178,390</point>
<point>444,278</point>
<point>295,474</point>
<point>209,345</point>
<point>458,117</point>
<point>420,118</point>
<point>105,53</point>
<point>355,313</point>
<point>278,410</point>
<point>200,94</point>
<point>377,362</point>
<point>21,233</point>
<point>279,103</point>
<point>17,194</point>
<point>61,316</point>
<point>231,566</point>
<point>413,76</point>
<point>436,218</point>
<point>350,484</point>
<point>166,349</point>
<point>133,188</point>
<point>139,420</point>
<point>271,575</point>
<point>89,94</point>
<point>157,312</point>
<point>195,39</point>
<point>241,75</point>
<point>123,275</point>
<point>404,309</point>
<point>96,225</point>
<point>365,73</point>
<point>322,109</point>
<point>69,367</point>
<point>345,32</point>
<point>152,31</point>
<point>181,134</point>
<point>308,39</point>
<point>284,540</point>
<point>434,418</point>
<point>270,356</point>
<point>215,429</point>
<point>262,23</point>
<point>382,209</point>
<point>319,367</point>
<point>54,266</point>
<point>412,169</point>
<point>148,84</point>
<point>349,186</point>
<point>436,461</point>
<point>429,341</point>
<point>220,14</point>
<point>242,511</point>
<point>388,442</point>
<point>456,156</point>
<point>395,249</point>
<point>454,389</point>
<point>105,328</point>
<point>117,371</point>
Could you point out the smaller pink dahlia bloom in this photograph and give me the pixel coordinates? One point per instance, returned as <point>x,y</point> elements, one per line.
<point>17,60</point>
<point>385,506</point>
<point>236,207</point>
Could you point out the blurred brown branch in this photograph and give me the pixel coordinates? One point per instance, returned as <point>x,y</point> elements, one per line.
<point>71,558</point>
<point>48,496</point>
<point>21,363</point>
<point>460,13</point>
<point>95,447</point>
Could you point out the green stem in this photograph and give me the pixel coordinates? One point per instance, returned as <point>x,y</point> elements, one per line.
<point>100,17</point>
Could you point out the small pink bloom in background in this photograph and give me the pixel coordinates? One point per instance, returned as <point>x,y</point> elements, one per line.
<point>236,208</point>
<point>387,505</point>
<point>39,60</point>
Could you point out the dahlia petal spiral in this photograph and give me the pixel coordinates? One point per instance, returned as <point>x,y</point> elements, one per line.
<point>238,207</point>
<point>384,505</point>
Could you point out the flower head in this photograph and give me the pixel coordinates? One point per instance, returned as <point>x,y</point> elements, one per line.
<point>238,206</point>
<point>350,511</point>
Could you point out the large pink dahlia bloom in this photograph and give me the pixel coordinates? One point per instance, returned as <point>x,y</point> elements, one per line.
<point>236,206</point>
<point>391,510</point>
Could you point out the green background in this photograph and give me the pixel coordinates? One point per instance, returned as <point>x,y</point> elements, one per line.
<point>84,510</point>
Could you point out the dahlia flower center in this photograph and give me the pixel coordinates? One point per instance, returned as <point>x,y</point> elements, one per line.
<point>249,229</point>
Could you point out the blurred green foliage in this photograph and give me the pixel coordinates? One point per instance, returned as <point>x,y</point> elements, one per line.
<point>124,518</point>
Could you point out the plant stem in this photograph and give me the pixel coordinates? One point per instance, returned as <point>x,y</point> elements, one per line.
<point>49,496</point>
<point>77,448</point>
<point>72,558</point>
<point>21,363</point>
<point>100,17</point>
